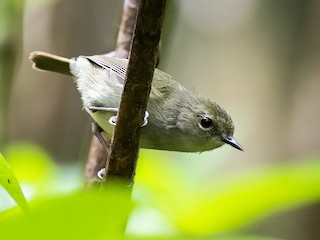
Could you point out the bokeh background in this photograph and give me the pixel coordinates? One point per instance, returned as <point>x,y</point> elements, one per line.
<point>258,59</point>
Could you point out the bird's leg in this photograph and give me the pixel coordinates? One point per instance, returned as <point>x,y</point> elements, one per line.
<point>145,119</point>
<point>113,119</point>
<point>106,109</point>
<point>97,130</point>
<point>101,173</point>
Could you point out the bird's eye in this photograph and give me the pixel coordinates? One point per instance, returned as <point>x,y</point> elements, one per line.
<point>206,122</point>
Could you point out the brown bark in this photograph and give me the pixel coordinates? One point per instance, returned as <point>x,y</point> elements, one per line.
<point>143,56</point>
<point>98,156</point>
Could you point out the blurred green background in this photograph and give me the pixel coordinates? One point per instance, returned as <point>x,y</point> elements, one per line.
<point>258,59</point>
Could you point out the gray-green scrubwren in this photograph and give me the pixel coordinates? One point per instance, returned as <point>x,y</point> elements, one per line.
<point>177,119</point>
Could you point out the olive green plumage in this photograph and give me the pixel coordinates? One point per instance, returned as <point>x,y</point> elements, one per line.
<point>179,119</point>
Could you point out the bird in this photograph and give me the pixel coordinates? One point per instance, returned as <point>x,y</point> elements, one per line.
<point>176,119</point>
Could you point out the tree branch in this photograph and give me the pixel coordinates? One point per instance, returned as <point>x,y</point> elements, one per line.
<point>143,57</point>
<point>128,22</point>
<point>98,156</point>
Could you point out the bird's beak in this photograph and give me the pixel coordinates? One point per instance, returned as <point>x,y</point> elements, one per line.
<point>231,141</point>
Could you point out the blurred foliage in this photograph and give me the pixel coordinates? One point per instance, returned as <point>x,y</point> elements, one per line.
<point>218,209</point>
<point>31,164</point>
<point>10,183</point>
<point>227,204</point>
<point>38,172</point>
<point>86,215</point>
<point>10,49</point>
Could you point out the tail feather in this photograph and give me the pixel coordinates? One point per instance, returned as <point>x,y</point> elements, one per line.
<point>50,62</point>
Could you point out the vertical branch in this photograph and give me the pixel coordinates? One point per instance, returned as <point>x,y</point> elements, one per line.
<point>98,155</point>
<point>126,30</point>
<point>143,57</point>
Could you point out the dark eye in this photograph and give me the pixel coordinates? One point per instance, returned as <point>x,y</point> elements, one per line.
<point>206,122</point>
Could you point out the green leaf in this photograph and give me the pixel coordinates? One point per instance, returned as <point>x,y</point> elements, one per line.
<point>31,163</point>
<point>231,204</point>
<point>85,215</point>
<point>184,237</point>
<point>11,184</point>
<point>224,203</point>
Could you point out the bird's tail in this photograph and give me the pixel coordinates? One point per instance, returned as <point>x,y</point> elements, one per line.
<point>50,62</point>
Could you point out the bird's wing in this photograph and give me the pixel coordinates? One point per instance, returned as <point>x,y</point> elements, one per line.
<point>116,65</point>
